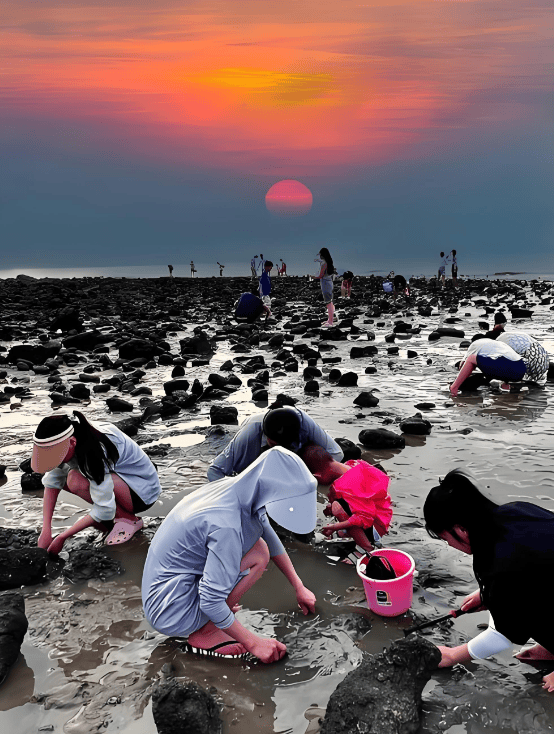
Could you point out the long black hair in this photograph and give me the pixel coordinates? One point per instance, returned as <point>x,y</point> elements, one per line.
<point>326,255</point>
<point>457,501</point>
<point>93,449</point>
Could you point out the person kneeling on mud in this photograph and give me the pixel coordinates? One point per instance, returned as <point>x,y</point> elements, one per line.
<point>512,546</point>
<point>104,467</point>
<point>215,545</point>
<point>358,496</point>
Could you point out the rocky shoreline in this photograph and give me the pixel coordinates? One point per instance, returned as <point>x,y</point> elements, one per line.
<point>165,360</point>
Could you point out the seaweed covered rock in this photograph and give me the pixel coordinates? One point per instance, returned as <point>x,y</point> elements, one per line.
<point>22,567</point>
<point>13,626</point>
<point>89,563</point>
<point>184,708</point>
<point>383,695</point>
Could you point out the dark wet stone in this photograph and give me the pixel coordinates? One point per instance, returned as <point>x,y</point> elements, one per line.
<point>90,563</point>
<point>331,360</point>
<point>310,372</point>
<point>118,405</point>
<point>25,466</point>
<point>134,348</point>
<point>312,386</point>
<point>85,341</point>
<point>380,438</point>
<point>291,365</point>
<point>223,414</point>
<point>411,354</point>
<point>393,350</point>
<point>178,370</point>
<point>425,406</point>
<point>349,449</point>
<point>371,370</point>
<point>184,708</point>
<point>13,626</point>
<point>334,375</point>
<point>416,426</point>
<point>31,482</point>
<point>198,344</point>
<point>520,313</point>
<point>178,383</point>
<point>22,567</point>
<point>68,319</point>
<point>348,379</point>
<point>2,471</point>
<point>260,395</point>
<point>79,391</point>
<point>383,695</point>
<point>366,400</point>
<point>357,352</point>
<point>226,366</point>
<point>32,354</point>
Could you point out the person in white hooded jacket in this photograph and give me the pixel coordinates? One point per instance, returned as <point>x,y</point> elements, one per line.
<point>216,543</point>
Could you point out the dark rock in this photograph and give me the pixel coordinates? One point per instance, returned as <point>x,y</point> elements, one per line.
<point>260,395</point>
<point>425,406</point>
<point>223,414</point>
<point>22,566</point>
<point>521,313</point>
<point>349,449</point>
<point>13,626</point>
<point>184,708</point>
<point>357,352</point>
<point>348,379</point>
<point>334,375</point>
<point>178,370</point>
<point>31,482</point>
<point>312,386</point>
<point>134,348</point>
<point>310,372</point>
<point>89,563</point>
<point>68,319</point>
<point>371,370</point>
<point>178,383</point>
<point>79,391</point>
<point>366,400</point>
<point>383,695</point>
<point>416,426</point>
<point>85,341</point>
<point>380,438</point>
<point>32,353</point>
<point>411,354</point>
<point>219,381</point>
<point>198,344</point>
<point>118,405</point>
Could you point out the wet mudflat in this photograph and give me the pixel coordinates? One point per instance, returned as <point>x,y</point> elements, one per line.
<point>89,659</point>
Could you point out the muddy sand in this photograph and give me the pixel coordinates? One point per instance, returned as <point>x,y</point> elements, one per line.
<point>89,659</point>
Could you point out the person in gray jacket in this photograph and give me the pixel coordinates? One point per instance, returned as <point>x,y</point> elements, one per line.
<point>285,426</point>
<point>215,545</point>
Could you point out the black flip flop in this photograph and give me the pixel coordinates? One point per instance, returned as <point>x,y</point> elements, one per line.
<point>211,652</point>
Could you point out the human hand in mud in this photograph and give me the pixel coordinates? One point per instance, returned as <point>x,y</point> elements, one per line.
<point>453,655</point>
<point>45,539</point>
<point>472,602</point>
<point>306,600</point>
<point>328,512</point>
<point>267,650</point>
<point>453,390</point>
<point>334,527</point>
<point>56,545</point>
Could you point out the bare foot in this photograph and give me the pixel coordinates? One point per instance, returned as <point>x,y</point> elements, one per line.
<point>205,640</point>
<point>537,652</point>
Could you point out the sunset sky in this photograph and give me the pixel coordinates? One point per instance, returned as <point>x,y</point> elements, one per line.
<point>137,132</point>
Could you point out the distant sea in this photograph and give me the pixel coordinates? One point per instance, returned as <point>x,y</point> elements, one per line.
<point>305,267</point>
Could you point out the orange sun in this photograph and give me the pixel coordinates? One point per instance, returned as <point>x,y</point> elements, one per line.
<point>289,198</point>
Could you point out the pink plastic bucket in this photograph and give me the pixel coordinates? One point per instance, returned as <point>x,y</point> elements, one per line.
<point>394,596</point>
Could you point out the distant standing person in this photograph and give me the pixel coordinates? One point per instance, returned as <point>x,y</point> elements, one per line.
<point>192,269</point>
<point>346,285</point>
<point>454,267</point>
<point>254,266</point>
<point>170,271</point>
<point>445,259</point>
<point>265,284</point>
<point>220,268</point>
<point>262,263</point>
<point>283,269</point>
<point>326,279</point>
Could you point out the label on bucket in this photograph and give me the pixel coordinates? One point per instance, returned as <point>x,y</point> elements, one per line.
<point>383,599</point>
